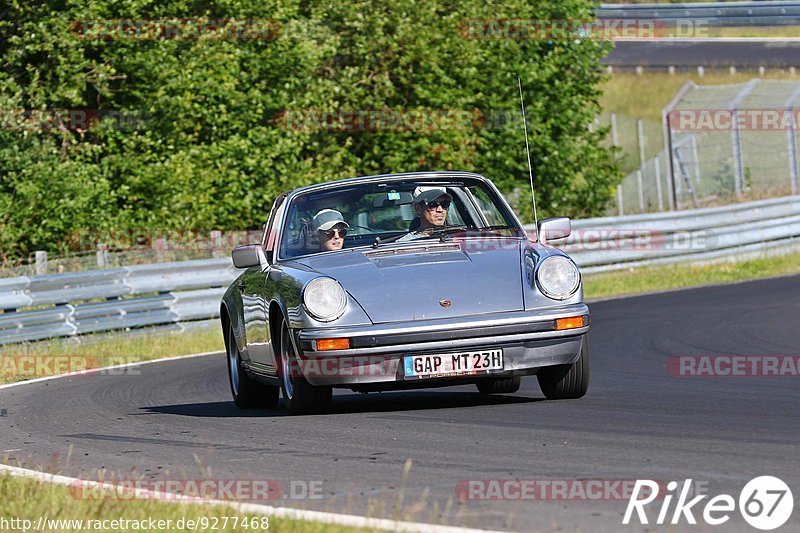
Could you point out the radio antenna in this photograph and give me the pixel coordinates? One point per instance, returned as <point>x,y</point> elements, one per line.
<point>528,152</point>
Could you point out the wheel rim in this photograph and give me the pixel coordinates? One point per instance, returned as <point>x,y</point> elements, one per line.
<point>286,355</point>
<point>233,364</point>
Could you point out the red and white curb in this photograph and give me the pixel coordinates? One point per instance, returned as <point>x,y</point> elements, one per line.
<point>252,508</point>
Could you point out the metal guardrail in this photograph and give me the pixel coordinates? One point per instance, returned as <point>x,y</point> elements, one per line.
<point>59,305</point>
<point>711,13</point>
<point>65,305</point>
<point>736,231</point>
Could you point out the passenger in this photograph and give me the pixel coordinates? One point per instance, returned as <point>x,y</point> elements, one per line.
<point>330,228</point>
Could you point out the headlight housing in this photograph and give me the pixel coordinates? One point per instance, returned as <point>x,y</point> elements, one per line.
<point>324,299</point>
<point>558,277</point>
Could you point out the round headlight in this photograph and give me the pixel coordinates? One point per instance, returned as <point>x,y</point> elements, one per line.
<point>324,299</point>
<point>558,277</point>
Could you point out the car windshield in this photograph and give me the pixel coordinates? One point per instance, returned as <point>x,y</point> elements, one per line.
<point>373,213</point>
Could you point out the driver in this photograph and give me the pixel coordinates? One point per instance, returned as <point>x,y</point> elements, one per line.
<point>330,228</point>
<point>431,204</point>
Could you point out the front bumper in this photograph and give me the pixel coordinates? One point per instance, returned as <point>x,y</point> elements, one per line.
<point>529,341</point>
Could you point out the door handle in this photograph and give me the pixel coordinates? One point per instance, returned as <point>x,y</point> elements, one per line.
<point>240,285</point>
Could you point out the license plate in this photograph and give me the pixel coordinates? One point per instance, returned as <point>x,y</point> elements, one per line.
<point>452,364</point>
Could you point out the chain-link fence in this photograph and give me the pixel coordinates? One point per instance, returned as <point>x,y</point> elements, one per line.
<point>645,188</point>
<point>733,142</point>
<point>726,144</point>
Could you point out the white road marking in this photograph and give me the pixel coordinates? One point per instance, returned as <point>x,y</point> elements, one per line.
<point>105,368</point>
<point>268,510</point>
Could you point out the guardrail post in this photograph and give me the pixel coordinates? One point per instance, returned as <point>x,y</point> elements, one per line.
<point>41,263</point>
<point>160,245</point>
<point>216,244</point>
<point>102,255</point>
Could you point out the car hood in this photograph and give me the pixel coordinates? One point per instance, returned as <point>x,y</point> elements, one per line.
<point>416,281</point>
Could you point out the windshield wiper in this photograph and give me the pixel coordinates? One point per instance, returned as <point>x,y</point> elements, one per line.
<point>379,241</point>
<point>496,228</point>
<point>441,231</point>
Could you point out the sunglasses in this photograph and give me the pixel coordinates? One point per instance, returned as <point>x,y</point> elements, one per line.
<point>333,232</point>
<point>445,204</point>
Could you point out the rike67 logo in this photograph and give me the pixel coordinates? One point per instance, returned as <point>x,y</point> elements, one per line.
<point>765,503</point>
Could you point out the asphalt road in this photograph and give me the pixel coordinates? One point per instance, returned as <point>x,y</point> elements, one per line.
<point>662,54</point>
<point>175,420</point>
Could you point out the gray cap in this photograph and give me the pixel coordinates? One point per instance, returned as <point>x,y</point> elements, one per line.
<point>326,219</point>
<point>428,194</point>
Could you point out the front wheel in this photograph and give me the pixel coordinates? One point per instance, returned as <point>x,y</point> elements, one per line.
<point>299,396</point>
<point>563,382</point>
<point>246,391</point>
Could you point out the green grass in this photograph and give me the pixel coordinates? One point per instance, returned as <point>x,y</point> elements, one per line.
<point>660,278</point>
<point>32,360</point>
<point>755,31</point>
<point>30,499</point>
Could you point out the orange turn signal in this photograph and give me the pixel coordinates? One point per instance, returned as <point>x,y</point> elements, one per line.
<point>571,322</point>
<point>332,344</point>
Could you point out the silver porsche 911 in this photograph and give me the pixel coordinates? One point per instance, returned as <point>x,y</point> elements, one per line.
<point>397,282</point>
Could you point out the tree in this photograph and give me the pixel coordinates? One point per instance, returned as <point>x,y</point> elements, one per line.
<point>202,129</point>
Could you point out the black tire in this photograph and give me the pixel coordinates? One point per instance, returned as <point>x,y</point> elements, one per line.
<point>246,391</point>
<point>299,396</point>
<point>564,382</point>
<point>498,385</point>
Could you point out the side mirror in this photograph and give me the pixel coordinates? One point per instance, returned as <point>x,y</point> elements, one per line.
<point>249,255</point>
<point>553,229</point>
